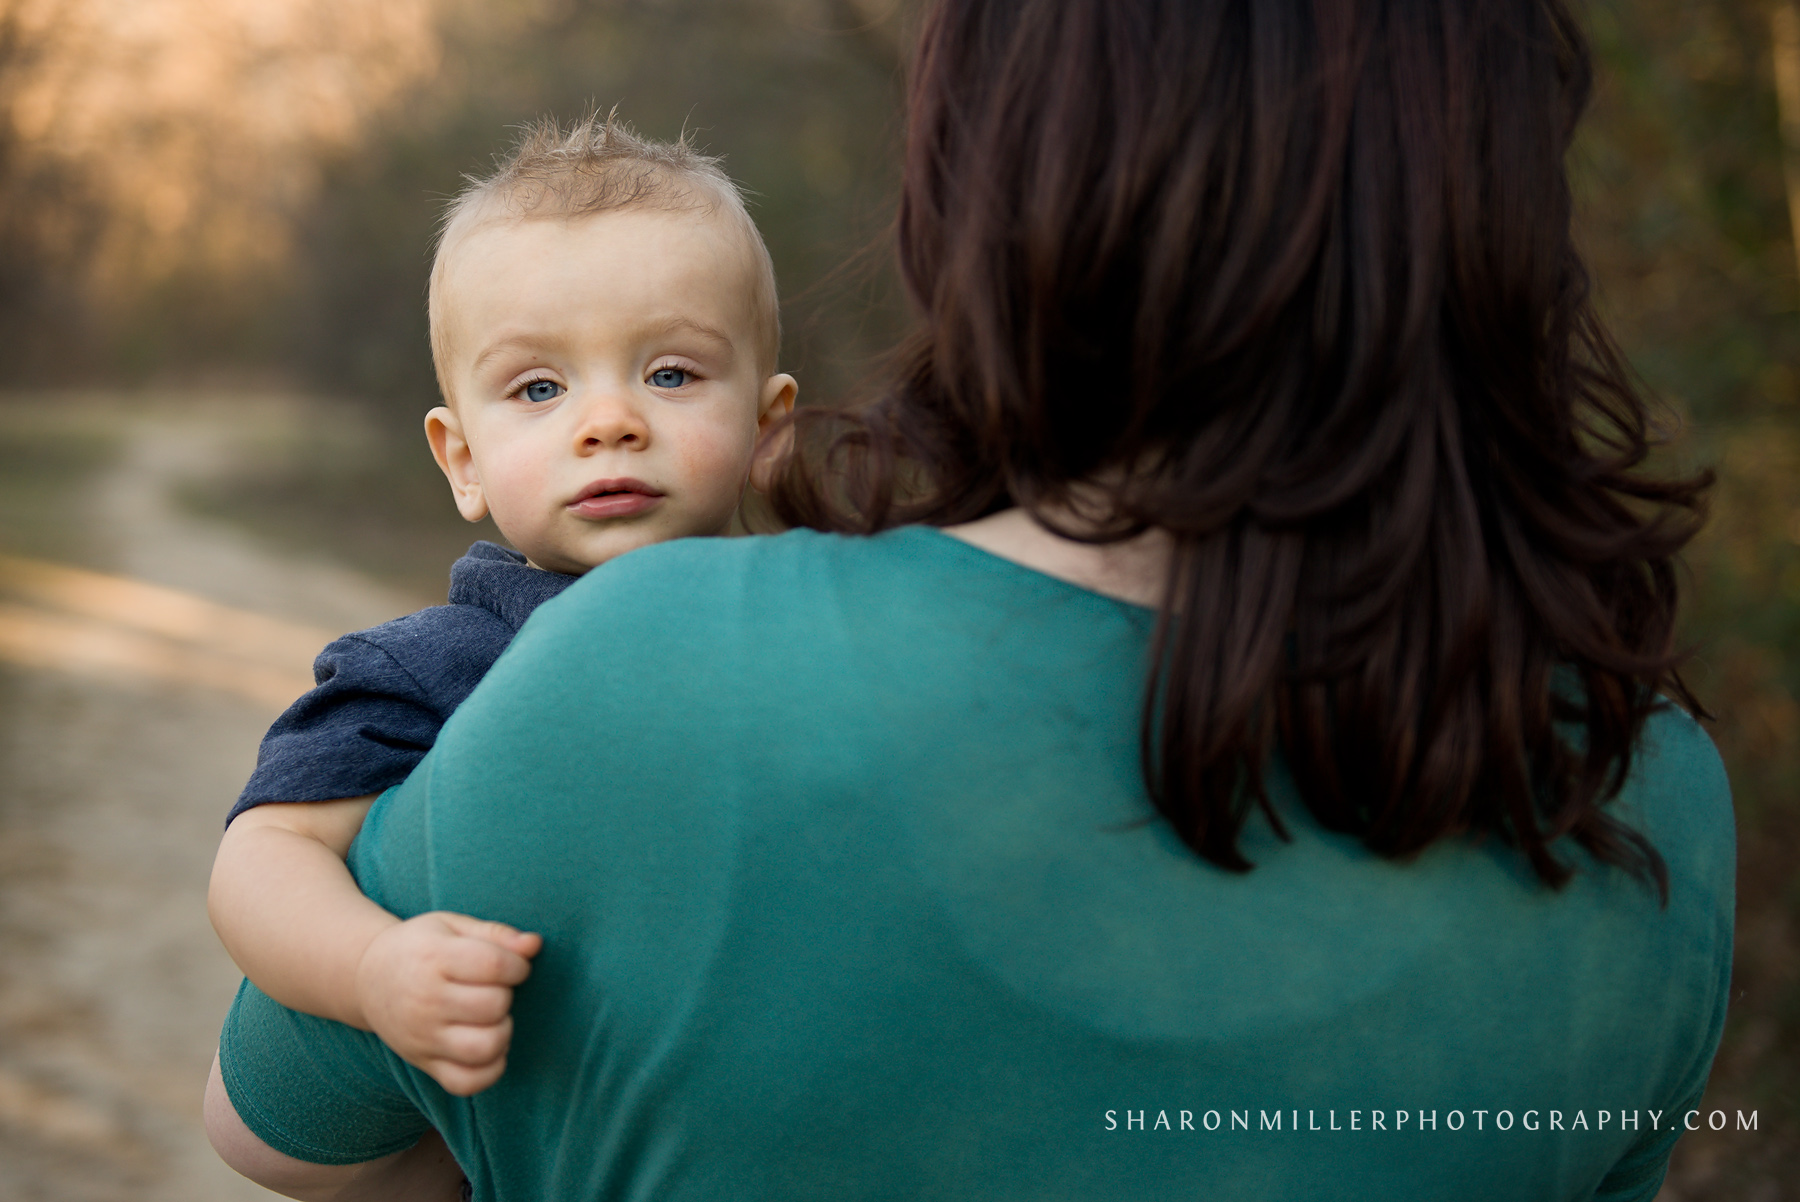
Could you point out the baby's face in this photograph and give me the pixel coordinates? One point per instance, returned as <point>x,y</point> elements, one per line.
<point>607,383</point>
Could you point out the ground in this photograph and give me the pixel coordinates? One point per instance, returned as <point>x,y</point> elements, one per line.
<point>133,690</point>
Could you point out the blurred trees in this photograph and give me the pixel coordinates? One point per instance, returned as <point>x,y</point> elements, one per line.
<point>46,217</point>
<point>1688,229</point>
<point>156,156</point>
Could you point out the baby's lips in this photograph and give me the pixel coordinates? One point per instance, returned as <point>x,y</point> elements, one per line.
<point>615,504</point>
<point>617,484</point>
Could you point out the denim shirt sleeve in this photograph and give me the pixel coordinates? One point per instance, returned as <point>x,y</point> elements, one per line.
<point>380,698</point>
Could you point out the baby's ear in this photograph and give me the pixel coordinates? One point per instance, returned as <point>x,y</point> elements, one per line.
<point>775,434</point>
<point>449,446</point>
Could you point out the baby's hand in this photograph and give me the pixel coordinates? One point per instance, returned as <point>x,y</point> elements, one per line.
<point>438,988</point>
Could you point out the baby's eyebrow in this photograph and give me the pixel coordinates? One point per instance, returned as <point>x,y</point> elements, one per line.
<point>527,342</point>
<point>515,342</point>
<point>688,323</point>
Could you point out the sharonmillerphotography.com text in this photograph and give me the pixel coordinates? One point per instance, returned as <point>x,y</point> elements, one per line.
<point>1362,1121</point>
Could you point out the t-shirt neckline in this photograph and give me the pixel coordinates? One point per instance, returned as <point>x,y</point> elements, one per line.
<point>1013,566</point>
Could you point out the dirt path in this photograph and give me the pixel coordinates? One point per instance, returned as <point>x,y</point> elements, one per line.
<point>130,710</point>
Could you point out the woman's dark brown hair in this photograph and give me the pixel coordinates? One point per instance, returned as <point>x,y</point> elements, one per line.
<point>1294,281</point>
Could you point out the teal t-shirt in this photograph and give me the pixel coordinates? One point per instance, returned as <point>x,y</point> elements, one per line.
<point>850,889</point>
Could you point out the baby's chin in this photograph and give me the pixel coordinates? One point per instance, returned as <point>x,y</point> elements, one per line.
<point>568,571</point>
<point>574,565</point>
<point>576,561</point>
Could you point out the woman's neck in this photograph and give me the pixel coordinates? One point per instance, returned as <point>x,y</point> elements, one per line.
<point>1134,570</point>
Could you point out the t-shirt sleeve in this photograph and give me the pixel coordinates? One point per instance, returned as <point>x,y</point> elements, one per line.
<point>1691,760</point>
<point>316,1090</point>
<point>362,728</point>
<point>1638,1177</point>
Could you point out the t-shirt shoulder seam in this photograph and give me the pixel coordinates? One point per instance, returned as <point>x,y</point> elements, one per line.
<point>362,637</point>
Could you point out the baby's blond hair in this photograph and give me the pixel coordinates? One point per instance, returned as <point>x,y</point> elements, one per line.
<point>597,165</point>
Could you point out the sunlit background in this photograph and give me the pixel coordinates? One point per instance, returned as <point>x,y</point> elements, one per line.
<point>215,222</point>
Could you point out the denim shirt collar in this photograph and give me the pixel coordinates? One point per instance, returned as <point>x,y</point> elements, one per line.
<point>501,582</point>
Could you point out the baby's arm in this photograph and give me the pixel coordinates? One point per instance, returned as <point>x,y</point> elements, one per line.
<point>436,988</point>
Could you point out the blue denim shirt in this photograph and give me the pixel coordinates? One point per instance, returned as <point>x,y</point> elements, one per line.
<point>381,695</point>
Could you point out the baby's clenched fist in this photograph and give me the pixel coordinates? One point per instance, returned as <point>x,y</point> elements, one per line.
<point>438,989</point>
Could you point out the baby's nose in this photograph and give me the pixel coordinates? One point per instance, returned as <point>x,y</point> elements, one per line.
<point>611,419</point>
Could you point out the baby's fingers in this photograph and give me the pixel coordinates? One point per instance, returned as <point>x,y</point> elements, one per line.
<point>462,1080</point>
<point>474,1047</point>
<point>520,943</point>
<point>472,1005</point>
<point>479,962</point>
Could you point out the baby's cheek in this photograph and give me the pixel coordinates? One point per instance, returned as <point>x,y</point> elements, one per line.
<point>506,490</point>
<point>715,462</point>
<point>514,487</point>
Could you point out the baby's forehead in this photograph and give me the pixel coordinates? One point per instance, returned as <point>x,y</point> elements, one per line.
<point>696,213</point>
<point>500,234</point>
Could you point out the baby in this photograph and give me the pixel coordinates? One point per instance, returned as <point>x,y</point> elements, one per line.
<point>603,322</point>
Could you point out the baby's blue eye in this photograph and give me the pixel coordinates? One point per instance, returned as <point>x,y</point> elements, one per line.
<point>543,390</point>
<point>668,377</point>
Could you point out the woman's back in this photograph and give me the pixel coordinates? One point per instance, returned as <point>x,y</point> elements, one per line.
<point>852,890</point>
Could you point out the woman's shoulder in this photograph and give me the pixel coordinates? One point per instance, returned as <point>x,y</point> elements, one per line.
<point>799,570</point>
<point>1678,796</point>
<point>881,572</point>
<point>725,596</point>
<point>1676,759</point>
<point>681,560</point>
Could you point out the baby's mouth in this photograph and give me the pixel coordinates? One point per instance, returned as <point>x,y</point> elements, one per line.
<point>614,499</point>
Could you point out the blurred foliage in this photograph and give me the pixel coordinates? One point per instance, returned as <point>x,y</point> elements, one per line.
<point>155,156</point>
<point>1688,230</point>
<point>1684,218</point>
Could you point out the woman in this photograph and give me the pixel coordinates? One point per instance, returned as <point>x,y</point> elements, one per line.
<point>1234,758</point>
